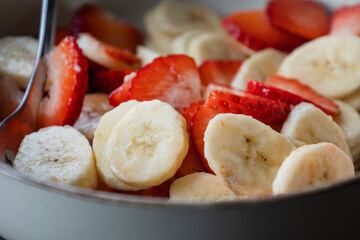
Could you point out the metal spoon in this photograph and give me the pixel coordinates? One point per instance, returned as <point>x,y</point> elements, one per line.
<point>23,120</point>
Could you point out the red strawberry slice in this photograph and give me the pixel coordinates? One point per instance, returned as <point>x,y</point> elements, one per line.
<point>267,111</point>
<point>108,80</point>
<point>296,87</point>
<point>218,72</point>
<point>67,72</point>
<point>346,20</point>
<point>304,18</point>
<point>266,91</point>
<point>121,94</point>
<point>106,27</point>
<point>188,112</point>
<point>191,163</point>
<point>173,79</point>
<point>254,30</point>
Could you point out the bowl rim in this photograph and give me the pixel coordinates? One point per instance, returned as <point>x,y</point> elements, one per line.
<point>128,200</point>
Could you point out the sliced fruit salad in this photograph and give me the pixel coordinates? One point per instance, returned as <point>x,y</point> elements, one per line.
<point>199,107</point>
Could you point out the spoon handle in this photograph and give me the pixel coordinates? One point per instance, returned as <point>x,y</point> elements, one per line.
<point>23,120</point>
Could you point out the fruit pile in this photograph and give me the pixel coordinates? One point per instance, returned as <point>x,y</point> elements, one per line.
<point>206,109</point>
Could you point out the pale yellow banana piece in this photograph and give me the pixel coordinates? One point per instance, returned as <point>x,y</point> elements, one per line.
<point>245,153</point>
<point>146,55</point>
<point>312,165</point>
<point>95,105</point>
<point>148,144</point>
<point>258,66</point>
<point>101,136</point>
<point>309,124</point>
<point>59,154</point>
<point>169,19</point>
<point>215,46</point>
<point>200,187</point>
<point>353,99</point>
<point>349,122</point>
<point>17,57</point>
<point>329,64</point>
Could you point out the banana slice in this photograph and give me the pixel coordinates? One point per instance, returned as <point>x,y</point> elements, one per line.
<point>148,144</point>
<point>180,44</point>
<point>258,67</point>
<point>59,154</point>
<point>215,46</point>
<point>309,124</point>
<point>17,57</point>
<point>353,100</point>
<point>245,153</point>
<point>329,64</point>
<point>169,19</point>
<point>349,122</point>
<point>200,187</point>
<point>95,105</point>
<point>312,165</point>
<point>101,136</point>
<point>104,54</point>
<point>146,55</point>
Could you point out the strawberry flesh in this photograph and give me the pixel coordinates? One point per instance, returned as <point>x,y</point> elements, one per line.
<point>109,80</point>
<point>121,94</point>
<point>266,91</point>
<point>67,72</point>
<point>272,113</point>
<point>173,79</point>
<point>304,18</point>
<point>218,72</point>
<point>254,30</point>
<point>346,20</point>
<point>307,93</point>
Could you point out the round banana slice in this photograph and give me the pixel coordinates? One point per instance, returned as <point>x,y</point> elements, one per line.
<point>17,57</point>
<point>146,55</point>
<point>59,154</point>
<point>101,136</point>
<point>309,124</point>
<point>148,144</point>
<point>245,153</point>
<point>176,17</point>
<point>215,46</point>
<point>349,122</point>
<point>180,44</point>
<point>169,19</point>
<point>258,67</point>
<point>312,165</point>
<point>200,187</point>
<point>95,105</point>
<point>329,64</point>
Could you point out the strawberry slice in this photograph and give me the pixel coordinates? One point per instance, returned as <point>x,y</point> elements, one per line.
<point>106,27</point>
<point>67,73</point>
<point>254,30</point>
<point>267,111</point>
<point>266,91</point>
<point>304,18</point>
<point>218,72</point>
<point>191,163</point>
<point>296,87</point>
<point>173,79</point>
<point>188,112</point>
<point>122,93</point>
<point>346,20</point>
<point>109,80</point>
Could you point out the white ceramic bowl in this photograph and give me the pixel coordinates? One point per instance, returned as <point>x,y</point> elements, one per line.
<point>33,209</point>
